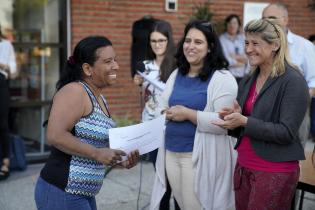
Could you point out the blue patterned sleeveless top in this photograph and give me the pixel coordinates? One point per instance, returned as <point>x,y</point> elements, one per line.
<point>86,175</point>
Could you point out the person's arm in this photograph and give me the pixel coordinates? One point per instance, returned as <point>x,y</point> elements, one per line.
<point>9,68</point>
<point>67,108</point>
<point>292,111</point>
<point>223,96</point>
<point>164,97</point>
<point>227,54</point>
<point>12,63</point>
<point>242,59</point>
<point>308,66</point>
<point>180,113</point>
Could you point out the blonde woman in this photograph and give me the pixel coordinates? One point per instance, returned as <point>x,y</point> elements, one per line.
<point>270,107</point>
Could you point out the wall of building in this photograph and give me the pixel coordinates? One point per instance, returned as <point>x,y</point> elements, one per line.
<point>114,19</point>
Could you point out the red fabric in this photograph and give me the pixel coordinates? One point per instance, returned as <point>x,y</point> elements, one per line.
<point>246,154</point>
<point>257,190</point>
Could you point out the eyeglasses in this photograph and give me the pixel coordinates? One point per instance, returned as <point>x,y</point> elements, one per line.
<point>158,41</point>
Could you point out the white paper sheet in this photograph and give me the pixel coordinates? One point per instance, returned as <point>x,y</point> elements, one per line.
<point>157,84</point>
<point>145,137</point>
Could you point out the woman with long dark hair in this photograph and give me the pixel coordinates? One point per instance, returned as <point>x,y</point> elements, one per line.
<point>197,158</point>
<point>159,64</point>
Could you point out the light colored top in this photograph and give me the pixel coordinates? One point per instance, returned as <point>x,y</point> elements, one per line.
<point>152,71</point>
<point>231,47</point>
<point>302,54</point>
<point>7,57</point>
<point>213,155</point>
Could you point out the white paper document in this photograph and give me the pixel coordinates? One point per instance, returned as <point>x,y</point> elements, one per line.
<point>157,84</point>
<point>145,137</point>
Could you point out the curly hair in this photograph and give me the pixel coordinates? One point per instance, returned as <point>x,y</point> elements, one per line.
<point>214,59</point>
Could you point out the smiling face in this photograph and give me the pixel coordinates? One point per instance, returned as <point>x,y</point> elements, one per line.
<point>259,52</point>
<point>195,47</point>
<point>104,69</point>
<point>158,43</point>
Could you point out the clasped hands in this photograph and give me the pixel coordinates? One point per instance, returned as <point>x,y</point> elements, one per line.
<point>113,157</point>
<point>176,113</point>
<point>231,117</point>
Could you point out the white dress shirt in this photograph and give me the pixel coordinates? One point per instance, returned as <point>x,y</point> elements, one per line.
<point>302,54</point>
<point>7,57</point>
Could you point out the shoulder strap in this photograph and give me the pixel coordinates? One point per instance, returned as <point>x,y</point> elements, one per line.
<point>106,105</point>
<point>90,93</point>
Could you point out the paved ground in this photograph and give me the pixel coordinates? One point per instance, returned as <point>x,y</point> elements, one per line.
<point>119,192</point>
<point>120,189</point>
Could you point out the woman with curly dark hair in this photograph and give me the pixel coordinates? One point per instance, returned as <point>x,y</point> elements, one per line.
<point>198,157</point>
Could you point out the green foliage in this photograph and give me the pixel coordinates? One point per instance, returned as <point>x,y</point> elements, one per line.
<point>202,12</point>
<point>125,120</point>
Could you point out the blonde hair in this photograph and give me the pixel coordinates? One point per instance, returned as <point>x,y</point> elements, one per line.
<point>271,32</point>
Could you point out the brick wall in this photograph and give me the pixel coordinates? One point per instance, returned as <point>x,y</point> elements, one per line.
<point>114,19</point>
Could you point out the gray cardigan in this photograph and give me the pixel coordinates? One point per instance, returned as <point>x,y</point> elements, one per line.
<point>276,116</point>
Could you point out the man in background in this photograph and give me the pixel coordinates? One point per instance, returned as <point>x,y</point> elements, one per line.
<point>302,54</point>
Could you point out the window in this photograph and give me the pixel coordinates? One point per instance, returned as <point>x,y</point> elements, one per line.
<point>37,29</point>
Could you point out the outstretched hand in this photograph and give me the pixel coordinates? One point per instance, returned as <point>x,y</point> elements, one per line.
<point>132,160</point>
<point>109,156</point>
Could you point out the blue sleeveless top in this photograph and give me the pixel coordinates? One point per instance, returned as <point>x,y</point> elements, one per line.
<point>81,175</point>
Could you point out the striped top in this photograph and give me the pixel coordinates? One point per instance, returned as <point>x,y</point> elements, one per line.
<point>86,175</point>
<point>75,174</point>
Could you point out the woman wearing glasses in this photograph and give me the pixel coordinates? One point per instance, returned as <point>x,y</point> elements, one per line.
<point>270,107</point>
<point>198,157</point>
<point>159,65</point>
